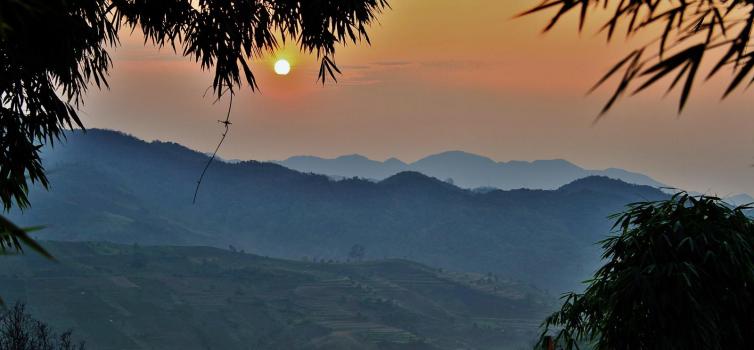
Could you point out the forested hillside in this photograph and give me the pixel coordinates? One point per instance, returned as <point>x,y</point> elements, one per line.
<point>107,186</point>
<point>137,297</point>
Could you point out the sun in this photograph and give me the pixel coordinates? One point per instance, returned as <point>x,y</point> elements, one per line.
<point>282,67</point>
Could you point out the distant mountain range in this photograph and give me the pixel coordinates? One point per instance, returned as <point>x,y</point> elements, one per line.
<point>107,186</point>
<point>472,171</point>
<point>465,170</point>
<point>740,199</point>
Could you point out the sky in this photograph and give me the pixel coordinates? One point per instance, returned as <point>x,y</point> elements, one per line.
<point>442,76</point>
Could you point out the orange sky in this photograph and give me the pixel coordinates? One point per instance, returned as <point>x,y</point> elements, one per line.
<point>443,75</point>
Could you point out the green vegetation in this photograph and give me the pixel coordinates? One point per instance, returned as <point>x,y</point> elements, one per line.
<point>112,187</point>
<point>679,275</point>
<point>138,297</point>
<point>680,272</point>
<point>52,51</point>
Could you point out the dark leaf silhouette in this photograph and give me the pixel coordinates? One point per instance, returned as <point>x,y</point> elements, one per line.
<point>689,29</point>
<point>688,60</point>
<point>20,331</point>
<point>678,274</point>
<point>52,51</point>
<point>13,238</point>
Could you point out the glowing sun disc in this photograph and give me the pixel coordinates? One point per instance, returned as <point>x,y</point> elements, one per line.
<point>282,67</point>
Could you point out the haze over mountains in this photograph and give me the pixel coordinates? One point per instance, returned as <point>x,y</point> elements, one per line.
<point>107,186</point>
<point>466,170</point>
<point>740,199</point>
<point>472,171</point>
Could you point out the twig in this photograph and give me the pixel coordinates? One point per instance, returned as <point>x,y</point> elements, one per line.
<point>227,124</point>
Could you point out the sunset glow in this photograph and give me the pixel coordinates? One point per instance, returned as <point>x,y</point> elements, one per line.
<point>377,174</point>
<point>282,67</point>
<point>499,87</point>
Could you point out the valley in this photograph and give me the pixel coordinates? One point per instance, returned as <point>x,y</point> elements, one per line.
<point>139,297</point>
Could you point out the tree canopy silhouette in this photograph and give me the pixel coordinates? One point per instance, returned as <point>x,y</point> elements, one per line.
<point>679,274</point>
<point>688,31</point>
<point>20,331</point>
<point>52,51</point>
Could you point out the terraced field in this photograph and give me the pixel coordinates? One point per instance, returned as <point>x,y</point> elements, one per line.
<point>131,297</point>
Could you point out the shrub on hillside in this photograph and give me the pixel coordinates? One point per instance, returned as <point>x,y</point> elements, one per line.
<point>20,331</point>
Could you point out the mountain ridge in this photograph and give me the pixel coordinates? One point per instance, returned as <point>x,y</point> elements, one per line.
<point>110,186</point>
<point>465,169</point>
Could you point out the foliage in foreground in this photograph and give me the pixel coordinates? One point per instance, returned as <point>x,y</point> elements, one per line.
<point>52,51</point>
<point>682,35</point>
<point>13,238</point>
<point>679,275</point>
<point>20,331</point>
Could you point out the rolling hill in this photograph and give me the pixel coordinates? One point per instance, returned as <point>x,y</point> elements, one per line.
<point>108,186</point>
<point>133,297</point>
